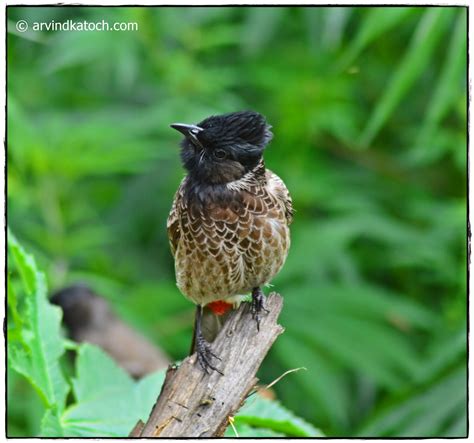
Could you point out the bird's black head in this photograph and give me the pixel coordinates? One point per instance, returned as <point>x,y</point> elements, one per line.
<point>222,148</point>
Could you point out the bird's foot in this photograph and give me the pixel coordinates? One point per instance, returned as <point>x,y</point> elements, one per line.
<point>258,305</point>
<point>205,355</point>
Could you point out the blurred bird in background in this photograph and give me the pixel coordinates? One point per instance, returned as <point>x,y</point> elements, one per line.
<point>88,318</point>
<point>228,225</point>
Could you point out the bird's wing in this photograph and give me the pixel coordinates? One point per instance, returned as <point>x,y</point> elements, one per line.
<point>173,223</point>
<point>276,186</point>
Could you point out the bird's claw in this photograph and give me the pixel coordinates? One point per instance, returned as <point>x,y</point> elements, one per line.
<point>258,305</point>
<point>205,355</point>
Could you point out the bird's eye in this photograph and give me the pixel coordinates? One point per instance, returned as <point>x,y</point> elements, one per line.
<point>220,154</point>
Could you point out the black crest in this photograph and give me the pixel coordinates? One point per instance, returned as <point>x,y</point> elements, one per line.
<point>245,130</point>
<point>222,148</point>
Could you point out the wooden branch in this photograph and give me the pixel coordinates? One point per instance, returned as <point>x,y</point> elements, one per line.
<point>195,404</point>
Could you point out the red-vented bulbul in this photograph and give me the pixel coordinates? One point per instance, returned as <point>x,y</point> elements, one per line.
<point>88,317</point>
<point>228,226</point>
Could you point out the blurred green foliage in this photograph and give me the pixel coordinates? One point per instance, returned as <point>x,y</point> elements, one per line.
<point>368,107</point>
<point>107,402</point>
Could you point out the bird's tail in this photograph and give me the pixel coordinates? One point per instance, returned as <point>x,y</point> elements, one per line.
<point>211,324</point>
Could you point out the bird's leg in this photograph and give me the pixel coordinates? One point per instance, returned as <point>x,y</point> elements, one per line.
<point>258,305</point>
<point>203,348</point>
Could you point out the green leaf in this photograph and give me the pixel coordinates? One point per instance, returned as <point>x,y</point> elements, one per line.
<point>414,62</point>
<point>260,26</point>
<point>322,381</point>
<point>376,22</point>
<point>443,353</point>
<point>25,409</point>
<point>270,414</point>
<point>354,351</point>
<point>108,401</point>
<point>146,393</point>
<point>12,301</point>
<point>244,430</point>
<point>449,86</point>
<point>424,414</point>
<point>335,21</point>
<point>51,425</point>
<point>36,354</point>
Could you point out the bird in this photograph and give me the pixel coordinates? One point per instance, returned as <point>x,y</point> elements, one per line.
<point>88,317</point>
<point>228,226</point>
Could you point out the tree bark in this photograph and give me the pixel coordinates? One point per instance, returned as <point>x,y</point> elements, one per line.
<point>195,404</point>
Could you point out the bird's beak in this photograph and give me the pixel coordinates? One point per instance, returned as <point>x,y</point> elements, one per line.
<point>187,130</point>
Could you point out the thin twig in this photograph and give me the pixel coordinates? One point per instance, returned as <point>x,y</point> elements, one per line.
<point>274,382</point>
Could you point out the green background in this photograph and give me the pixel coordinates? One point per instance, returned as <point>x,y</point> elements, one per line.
<point>368,108</point>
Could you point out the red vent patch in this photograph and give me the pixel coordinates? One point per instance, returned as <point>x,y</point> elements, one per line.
<point>219,307</point>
